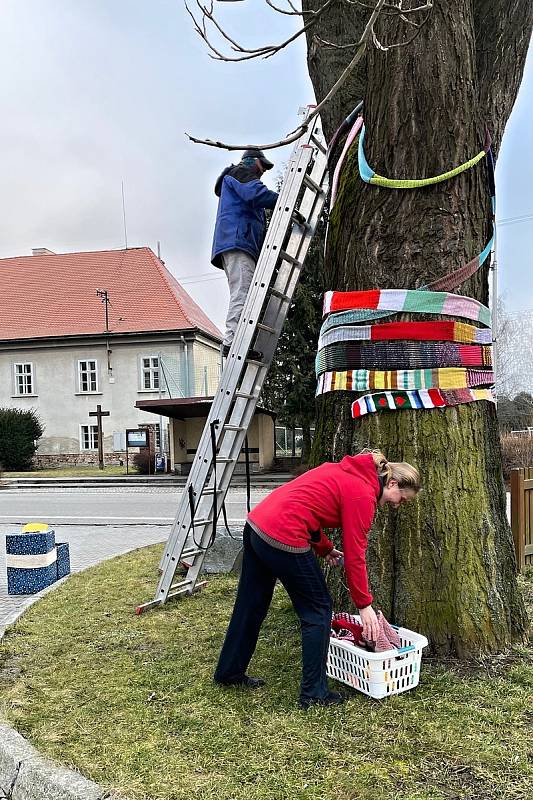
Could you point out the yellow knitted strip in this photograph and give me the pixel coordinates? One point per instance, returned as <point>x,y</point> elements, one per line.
<point>464,332</point>
<point>379,180</point>
<point>451,378</point>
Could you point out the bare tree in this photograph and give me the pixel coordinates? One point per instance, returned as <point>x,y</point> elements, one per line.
<point>514,352</point>
<point>444,565</point>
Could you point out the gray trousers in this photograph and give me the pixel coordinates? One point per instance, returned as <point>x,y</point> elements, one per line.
<point>239,268</point>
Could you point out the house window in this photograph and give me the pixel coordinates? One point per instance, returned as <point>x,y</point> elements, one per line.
<point>89,437</point>
<point>88,375</point>
<point>150,372</point>
<point>24,383</point>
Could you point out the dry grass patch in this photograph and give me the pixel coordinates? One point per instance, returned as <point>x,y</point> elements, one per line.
<point>130,702</point>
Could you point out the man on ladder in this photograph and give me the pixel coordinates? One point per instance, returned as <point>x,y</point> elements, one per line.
<point>279,264</point>
<point>240,230</point>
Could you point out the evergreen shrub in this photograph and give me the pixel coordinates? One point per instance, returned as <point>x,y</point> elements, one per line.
<point>20,431</point>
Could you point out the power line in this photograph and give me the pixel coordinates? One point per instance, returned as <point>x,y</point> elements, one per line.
<point>514,220</point>
<point>203,280</point>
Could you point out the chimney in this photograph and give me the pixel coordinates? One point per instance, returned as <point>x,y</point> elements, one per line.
<point>42,251</point>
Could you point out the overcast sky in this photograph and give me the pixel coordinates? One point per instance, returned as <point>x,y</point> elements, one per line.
<point>96,92</point>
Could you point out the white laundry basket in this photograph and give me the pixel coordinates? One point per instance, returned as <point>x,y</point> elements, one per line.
<point>377,674</point>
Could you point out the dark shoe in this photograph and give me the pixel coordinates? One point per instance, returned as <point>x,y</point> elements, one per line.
<point>331,699</point>
<point>246,682</point>
<point>225,350</point>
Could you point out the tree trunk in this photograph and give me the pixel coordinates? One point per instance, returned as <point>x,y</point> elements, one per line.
<point>306,440</point>
<point>445,564</point>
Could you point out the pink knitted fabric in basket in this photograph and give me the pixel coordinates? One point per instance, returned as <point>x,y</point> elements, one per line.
<point>388,638</point>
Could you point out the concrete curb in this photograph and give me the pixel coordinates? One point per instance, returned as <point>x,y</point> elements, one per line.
<point>258,480</point>
<point>25,775</point>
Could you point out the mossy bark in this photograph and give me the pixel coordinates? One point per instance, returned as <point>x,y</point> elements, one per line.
<point>443,565</point>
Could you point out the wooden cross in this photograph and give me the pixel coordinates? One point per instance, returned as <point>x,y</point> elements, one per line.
<point>99,414</point>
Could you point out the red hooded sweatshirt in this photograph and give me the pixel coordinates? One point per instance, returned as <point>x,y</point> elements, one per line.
<point>342,495</point>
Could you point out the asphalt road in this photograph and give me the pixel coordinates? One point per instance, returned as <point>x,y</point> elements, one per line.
<point>113,506</point>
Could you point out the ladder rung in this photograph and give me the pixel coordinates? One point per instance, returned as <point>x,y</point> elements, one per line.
<point>198,522</point>
<point>189,553</point>
<point>311,184</point>
<point>222,460</point>
<point>318,143</point>
<point>268,328</point>
<point>281,295</point>
<point>210,490</point>
<point>186,589</point>
<point>234,427</point>
<point>247,397</point>
<point>286,257</point>
<point>181,585</point>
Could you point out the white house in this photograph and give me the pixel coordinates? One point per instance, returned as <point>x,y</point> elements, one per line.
<point>105,328</point>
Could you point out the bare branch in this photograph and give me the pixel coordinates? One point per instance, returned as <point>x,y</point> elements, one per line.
<point>390,8</point>
<point>418,26</point>
<point>294,11</point>
<point>207,14</point>
<point>367,35</point>
<point>301,129</point>
<point>325,43</point>
<point>271,146</point>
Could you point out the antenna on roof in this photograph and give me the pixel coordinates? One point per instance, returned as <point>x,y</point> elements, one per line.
<point>124,216</point>
<point>159,250</point>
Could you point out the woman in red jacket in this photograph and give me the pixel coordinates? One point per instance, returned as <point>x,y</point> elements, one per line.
<point>279,538</point>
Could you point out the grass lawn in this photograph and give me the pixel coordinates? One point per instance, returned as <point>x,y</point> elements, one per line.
<point>129,701</point>
<point>72,472</point>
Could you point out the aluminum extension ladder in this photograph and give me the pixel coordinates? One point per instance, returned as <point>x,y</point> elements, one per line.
<point>276,275</point>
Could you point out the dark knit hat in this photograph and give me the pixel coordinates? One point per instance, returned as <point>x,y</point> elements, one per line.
<point>254,152</point>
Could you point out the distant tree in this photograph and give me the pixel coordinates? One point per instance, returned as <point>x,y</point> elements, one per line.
<point>515,414</point>
<point>19,433</point>
<point>289,389</point>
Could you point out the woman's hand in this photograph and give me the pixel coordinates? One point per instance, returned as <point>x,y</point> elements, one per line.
<point>333,558</point>
<point>370,623</point>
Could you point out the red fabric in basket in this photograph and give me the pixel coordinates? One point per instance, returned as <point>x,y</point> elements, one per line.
<point>388,638</point>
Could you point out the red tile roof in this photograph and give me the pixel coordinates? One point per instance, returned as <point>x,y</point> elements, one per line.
<point>55,295</point>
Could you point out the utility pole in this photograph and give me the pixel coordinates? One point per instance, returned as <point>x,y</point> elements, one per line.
<point>103,293</point>
<point>99,414</point>
<point>105,300</point>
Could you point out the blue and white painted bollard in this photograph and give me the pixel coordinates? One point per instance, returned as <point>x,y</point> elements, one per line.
<point>34,560</point>
<point>31,561</point>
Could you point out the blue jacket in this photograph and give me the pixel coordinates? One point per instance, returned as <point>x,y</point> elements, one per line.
<point>240,223</point>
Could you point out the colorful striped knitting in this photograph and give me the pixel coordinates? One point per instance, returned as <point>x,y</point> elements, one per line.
<point>369,176</point>
<point>401,355</point>
<point>359,380</point>
<point>336,174</point>
<point>452,279</point>
<point>421,398</point>
<point>407,300</point>
<point>441,330</point>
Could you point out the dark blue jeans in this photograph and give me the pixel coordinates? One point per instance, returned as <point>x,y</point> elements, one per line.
<point>304,581</point>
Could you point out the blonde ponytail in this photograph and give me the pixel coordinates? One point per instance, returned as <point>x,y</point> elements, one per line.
<point>406,475</point>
